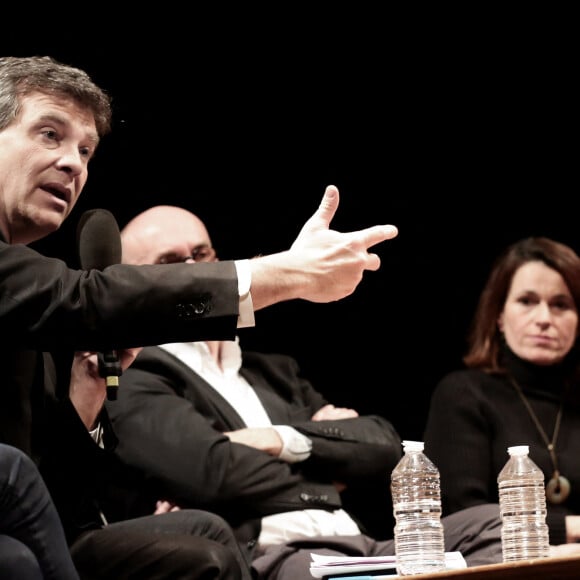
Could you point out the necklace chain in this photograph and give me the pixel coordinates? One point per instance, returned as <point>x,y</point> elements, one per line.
<point>550,445</point>
<point>558,487</point>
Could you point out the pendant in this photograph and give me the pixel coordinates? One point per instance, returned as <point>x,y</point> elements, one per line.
<point>557,489</point>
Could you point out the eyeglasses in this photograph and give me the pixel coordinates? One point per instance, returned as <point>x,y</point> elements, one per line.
<point>203,253</point>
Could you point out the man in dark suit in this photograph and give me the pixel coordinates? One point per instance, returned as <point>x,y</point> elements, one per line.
<point>32,542</point>
<point>243,434</point>
<point>52,118</point>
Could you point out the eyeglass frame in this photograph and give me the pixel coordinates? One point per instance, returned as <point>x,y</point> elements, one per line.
<point>173,258</point>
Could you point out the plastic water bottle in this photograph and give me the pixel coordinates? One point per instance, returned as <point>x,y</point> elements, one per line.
<point>522,501</point>
<point>416,491</point>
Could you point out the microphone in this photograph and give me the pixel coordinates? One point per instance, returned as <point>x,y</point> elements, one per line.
<point>99,246</point>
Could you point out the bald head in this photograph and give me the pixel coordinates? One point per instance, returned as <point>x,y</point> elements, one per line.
<point>164,234</point>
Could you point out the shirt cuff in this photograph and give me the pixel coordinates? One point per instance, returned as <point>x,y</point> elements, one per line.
<point>295,446</point>
<point>246,312</point>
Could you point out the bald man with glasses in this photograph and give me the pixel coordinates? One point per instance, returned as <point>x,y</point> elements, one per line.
<point>243,434</point>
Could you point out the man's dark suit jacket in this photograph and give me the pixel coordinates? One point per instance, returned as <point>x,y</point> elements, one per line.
<point>47,307</point>
<point>170,423</point>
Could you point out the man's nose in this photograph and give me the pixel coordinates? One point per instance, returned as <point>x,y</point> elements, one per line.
<point>70,160</point>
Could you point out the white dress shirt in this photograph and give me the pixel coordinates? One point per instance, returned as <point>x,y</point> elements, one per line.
<point>227,381</point>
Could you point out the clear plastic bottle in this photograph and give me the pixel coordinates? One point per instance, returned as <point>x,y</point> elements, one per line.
<point>416,491</point>
<point>522,501</point>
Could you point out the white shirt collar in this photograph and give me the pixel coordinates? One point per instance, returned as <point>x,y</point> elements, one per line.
<point>196,355</point>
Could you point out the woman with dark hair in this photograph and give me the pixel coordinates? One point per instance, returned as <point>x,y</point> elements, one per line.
<point>521,386</point>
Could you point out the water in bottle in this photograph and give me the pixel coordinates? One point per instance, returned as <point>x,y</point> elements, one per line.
<point>415,487</point>
<point>522,500</point>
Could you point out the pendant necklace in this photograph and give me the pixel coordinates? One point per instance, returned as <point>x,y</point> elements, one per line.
<point>558,487</point>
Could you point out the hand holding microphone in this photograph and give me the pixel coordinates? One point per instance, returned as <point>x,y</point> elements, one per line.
<point>99,246</point>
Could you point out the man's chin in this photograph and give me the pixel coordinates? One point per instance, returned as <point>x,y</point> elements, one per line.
<point>36,229</point>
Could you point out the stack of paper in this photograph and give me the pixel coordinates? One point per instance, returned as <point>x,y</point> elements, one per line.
<point>331,566</point>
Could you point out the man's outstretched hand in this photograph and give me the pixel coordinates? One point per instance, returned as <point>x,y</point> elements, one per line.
<point>324,215</point>
<point>343,257</point>
<point>322,265</point>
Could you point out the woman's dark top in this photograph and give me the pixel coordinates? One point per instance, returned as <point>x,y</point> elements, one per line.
<point>475,416</point>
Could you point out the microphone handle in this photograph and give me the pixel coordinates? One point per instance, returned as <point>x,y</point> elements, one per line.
<point>110,369</point>
<point>99,246</point>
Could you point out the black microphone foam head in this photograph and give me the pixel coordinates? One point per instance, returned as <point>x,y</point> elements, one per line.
<point>98,239</point>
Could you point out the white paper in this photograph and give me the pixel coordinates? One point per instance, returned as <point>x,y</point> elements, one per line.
<point>335,565</point>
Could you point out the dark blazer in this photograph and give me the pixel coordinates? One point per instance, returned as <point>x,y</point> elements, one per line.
<point>170,424</point>
<point>47,307</point>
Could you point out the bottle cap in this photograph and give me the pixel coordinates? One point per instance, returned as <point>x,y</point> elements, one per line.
<point>519,450</point>
<point>413,445</point>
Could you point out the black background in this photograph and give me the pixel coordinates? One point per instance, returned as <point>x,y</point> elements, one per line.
<point>459,129</point>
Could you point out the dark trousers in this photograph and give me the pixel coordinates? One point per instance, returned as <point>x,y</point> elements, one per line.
<point>475,532</point>
<point>181,545</point>
<point>32,540</point>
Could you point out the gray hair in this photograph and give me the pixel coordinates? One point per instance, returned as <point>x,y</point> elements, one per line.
<point>20,76</point>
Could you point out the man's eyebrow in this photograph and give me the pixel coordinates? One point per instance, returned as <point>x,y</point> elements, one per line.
<point>52,118</point>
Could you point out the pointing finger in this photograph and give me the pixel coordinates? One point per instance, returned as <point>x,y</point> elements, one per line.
<point>377,234</point>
